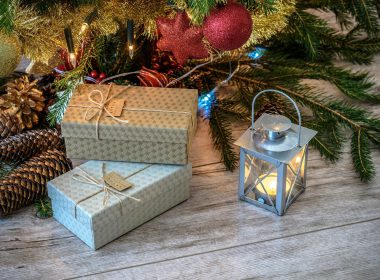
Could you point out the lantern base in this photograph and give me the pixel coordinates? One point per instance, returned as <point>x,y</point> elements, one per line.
<point>265,203</point>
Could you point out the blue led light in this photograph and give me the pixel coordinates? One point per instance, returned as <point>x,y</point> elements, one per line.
<point>257,53</point>
<point>205,101</point>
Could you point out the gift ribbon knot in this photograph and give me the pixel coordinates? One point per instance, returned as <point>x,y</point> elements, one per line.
<point>86,178</point>
<point>101,107</point>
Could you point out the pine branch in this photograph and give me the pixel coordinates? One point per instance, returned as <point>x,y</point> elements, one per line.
<point>355,85</point>
<point>364,11</point>
<point>43,207</point>
<point>310,38</point>
<point>7,14</point>
<point>329,110</point>
<point>67,86</point>
<point>222,137</point>
<point>200,9</point>
<point>361,156</point>
<point>57,110</point>
<point>329,139</point>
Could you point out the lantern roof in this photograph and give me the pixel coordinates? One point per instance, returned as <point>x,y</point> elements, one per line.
<point>283,150</point>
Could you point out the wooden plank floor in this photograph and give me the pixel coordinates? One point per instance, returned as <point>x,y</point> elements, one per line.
<point>330,232</point>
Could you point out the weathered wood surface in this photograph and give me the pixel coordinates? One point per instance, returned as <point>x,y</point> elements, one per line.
<point>330,232</point>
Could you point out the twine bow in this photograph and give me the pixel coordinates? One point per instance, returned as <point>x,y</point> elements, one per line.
<point>101,106</point>
<point>86,178</point>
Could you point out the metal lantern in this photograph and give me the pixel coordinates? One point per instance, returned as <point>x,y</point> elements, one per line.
<point>273,155</point>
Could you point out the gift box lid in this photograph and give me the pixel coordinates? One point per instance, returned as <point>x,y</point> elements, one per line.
<point>85,202</point>
<point>153,114</point>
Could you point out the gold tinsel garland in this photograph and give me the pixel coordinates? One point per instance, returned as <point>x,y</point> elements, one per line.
<point>265,26</point>
<point>10,53</point>
<point>40,36</point>
<point>38,39</point>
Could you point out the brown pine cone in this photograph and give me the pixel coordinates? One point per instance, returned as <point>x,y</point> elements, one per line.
<point>9,125</point>
<point>27,182</point>
<point>269,108</point>
<point>17,148</point>
<point>24,99</point>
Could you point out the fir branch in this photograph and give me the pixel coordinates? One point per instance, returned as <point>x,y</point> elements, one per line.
<point>361,156</point>
<point>67,85</point>
<point>200,9</point>
<point>363,11</point>
<point>357,119</point>
<point>43,207</point>
<point>7,14</point>
<point>355,85</point>
<point>57,110</point>
<point>222,137</point>
<point>329,139</point>
<point>310,38</point>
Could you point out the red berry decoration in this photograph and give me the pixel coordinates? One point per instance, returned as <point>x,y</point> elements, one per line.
<point>94,74</point>
<point>183,40</point>
<point>229,27</point>
<point>152,78</point>
<point>102,75</point>
<point>61,67</point>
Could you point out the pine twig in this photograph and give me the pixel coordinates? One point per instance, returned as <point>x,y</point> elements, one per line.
<point>43,207</point>
<point>222,137</point>
<point>363,125</point>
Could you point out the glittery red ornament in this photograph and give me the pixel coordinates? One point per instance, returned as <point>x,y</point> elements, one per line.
<point>180,38</point>
<point>229,27</point>
<point>152,78</point>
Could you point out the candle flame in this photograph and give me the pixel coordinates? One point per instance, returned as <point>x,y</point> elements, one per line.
<point>270,184</point>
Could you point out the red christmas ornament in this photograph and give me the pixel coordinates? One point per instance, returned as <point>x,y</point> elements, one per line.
<point>229,27</point>
<point>152,78</point>
<point>180,38</point>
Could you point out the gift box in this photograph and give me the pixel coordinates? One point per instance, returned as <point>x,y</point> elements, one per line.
<point>98,214</point>
<point>138,124</point>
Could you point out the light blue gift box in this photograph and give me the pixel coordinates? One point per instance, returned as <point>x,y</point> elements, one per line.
<point>80,207</point>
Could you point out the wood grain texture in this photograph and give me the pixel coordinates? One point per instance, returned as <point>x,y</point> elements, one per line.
<point>211,220</point>
<point>297,257</point>
<point>331,231</point>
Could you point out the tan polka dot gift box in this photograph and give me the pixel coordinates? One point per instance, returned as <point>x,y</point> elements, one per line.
<point>138,124</point>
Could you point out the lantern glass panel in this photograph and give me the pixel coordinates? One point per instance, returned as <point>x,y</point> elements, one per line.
<point>296,174</point>
<point>260,180</point>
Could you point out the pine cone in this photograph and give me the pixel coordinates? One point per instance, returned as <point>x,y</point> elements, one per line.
<point>9,125</point>
<point>269,108</point>
<point>27,182</point>
<point>23,99</point>
<point>17,148</point>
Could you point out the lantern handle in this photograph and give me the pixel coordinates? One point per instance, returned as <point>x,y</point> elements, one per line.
<point>291,100</point>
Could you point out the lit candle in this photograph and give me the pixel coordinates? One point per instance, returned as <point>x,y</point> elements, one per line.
<point>270,185</point>
<point>88,20</point>
<point>70,46</point>
<point>130,37</point>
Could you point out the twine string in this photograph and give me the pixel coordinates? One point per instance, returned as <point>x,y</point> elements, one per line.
<point>101,107</point>
<point>86,178</point>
